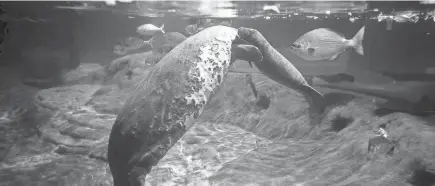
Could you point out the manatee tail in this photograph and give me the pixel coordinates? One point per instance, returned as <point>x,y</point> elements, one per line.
<point>357,41</point>
<point>162,28</point>
<point>317,105</point>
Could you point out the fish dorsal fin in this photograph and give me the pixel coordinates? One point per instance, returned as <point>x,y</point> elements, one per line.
<point>332,30</point>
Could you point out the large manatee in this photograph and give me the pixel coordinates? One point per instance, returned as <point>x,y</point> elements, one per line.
<point>173,95</point>
<point>167,102</point>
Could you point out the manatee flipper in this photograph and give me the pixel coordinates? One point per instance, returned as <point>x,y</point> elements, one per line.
<point>248,78</point>
<point>248,53</point>
<point>245,52</point>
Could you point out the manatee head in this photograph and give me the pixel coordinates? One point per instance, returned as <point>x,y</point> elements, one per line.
<point>246,34</point>
<point>246,52</point>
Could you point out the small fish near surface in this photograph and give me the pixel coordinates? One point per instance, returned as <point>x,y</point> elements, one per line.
<point>273,8</point>
<point>324,44</point>
<point>150,29</point>
<point>130,44</point>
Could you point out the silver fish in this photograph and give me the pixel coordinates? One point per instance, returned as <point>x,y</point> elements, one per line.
<point>324,43</point>
<point>150,29</point>
<point>272,8</point>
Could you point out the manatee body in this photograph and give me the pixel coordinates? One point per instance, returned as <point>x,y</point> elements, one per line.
<point>167,102</point>
<point>275,66</point>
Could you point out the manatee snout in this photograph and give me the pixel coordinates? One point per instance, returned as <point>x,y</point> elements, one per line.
<point>246,34</point>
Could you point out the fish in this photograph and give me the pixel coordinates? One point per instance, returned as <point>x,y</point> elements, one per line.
<point>150,29</point>
<point>325,44</point>
<point>272,8</point>
<point>131,43</point>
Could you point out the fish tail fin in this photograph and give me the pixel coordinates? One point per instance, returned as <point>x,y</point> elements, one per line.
<point>163,28</point>
<point>357,41</point>
<point>317,105</point>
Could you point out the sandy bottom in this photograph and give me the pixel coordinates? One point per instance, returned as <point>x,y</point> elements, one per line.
<point>202,152</point>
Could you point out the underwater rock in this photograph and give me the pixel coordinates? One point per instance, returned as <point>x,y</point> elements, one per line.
<point>380,145</point>
<point>77,118</point>
<point>93,96</point>
<point>80,72</point>
<point>16,111</point>
<point>336,158</point>
<point>71,122</point>
<point>114,72</point>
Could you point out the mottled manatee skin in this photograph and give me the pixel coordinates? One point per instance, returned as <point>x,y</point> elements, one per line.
<point>167,102</point>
